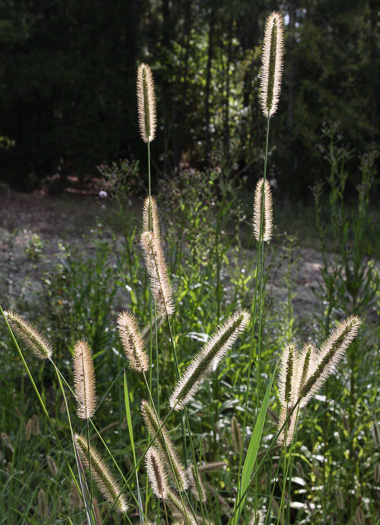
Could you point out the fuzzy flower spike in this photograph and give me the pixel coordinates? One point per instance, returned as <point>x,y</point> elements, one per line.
<point>132,342</point>
<point>208,359</point>
<point>266,213</point>
<point>272,63</point>
<point>84,380</point>
<point>102,475</point>
<point>30,335</point>
<point>146,103</point>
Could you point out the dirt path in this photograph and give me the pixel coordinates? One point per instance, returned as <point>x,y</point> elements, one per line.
<point>30,224</point>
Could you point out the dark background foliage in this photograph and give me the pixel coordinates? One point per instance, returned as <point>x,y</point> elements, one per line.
<point>67,85</point>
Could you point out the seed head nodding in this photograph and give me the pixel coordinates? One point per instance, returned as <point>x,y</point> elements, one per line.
<point>164,446</point>
<point>208,359</point>
<point>266,213</point>
<point>30,335</point>
<point>158,273</point>
<point>156,473</point>
<point>132,342</point>
<point>84,380</point>
<point>146,103</point>
<point>102,475</point>
<point>272,63</point>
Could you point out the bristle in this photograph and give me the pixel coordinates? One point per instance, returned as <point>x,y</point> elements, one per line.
<point>272,64</point>
<point>236,435</point>
<point>330,354</point>
<point>165,446</point>
<point>258,518</point>
<point>208,359</point>
<point>156,473</point>
<point>84,380</point>
<point>266,213</point>
<point>146,103</point>
<point>152,225</point>
<point>176,503</point>
<point>158,273</point>
<point>197,486</point>
<point>132,342</point>
<point>30,335</point>
<point>102,475</point>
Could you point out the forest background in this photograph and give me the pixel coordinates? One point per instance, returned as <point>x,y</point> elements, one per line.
<point>68,75</point>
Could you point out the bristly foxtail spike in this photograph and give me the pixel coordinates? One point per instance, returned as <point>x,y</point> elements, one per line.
<point>146,103</point>
<point>133,343</point>
<point>102,475</point>
<point>306,363</point>
<point>329,355</point>
<point>84,380</point>
<point>156,473</point>
<point>180,508</point>
<point>158,273</point>
<point>266,228</point>
<point>286,389</point>
<point>197,486</point>
<point>208,359</point>
<point>272,64</point>
<point>30,335</point>
<point>164,446</point>
<point>152,224</point>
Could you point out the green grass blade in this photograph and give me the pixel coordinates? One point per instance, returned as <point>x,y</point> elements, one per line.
<point>253,449</point>
<point>130,430</point>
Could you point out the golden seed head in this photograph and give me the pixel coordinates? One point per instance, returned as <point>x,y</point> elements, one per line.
<point>272,64</point>
<point>132,342</point>
<point>263,210</point>
<point>30,335</point>
<point>151,224</point>
<point>84,380</point>
<point>146,103</point>
<point>156,473</point>
<point>158,273</point>
<point>101,473</point>
<point>208,359</point>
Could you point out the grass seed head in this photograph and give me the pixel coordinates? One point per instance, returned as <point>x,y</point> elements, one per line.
<point>258,518</point>
<point>158,273</point>
<point>329,355</point>
<point>272,64</point>
<point>84,380</point>
<point>42,508</point>
<point>176,504</point>
<point>102,475</point>
<point>164,446</point>
<point>156,473</point>
<point>263,207</point>
<point>146,103</point>
<point>236,435</point>
<point>152,225</point>
<point>208,359</point>
<point>132,342</point>
<point>197,486</point>
<point>30,335</point>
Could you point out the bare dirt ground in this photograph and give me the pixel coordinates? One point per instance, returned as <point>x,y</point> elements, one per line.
<point>32,223</point>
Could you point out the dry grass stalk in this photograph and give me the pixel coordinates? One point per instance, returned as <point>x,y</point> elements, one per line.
<point>30,335</point>
<point>146,103</point>
<point>132,342</point>
<point>272,64</point>
<point>84,380</point>
<point>208,359</point>
<point>102,475</point>
<point>267,213</point>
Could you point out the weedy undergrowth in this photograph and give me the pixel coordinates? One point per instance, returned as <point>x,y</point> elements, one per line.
<point>175,477</point>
